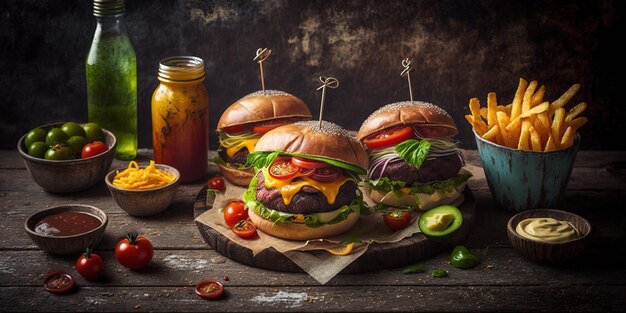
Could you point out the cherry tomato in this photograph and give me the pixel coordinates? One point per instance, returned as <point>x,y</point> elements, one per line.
<point>73,129</point>
<point>89,265</point>
<point>236,129</point>
<point>431,131</point>
<point>217,183</point>
<point>93,149</point>
<point>326,174</point>
<point>283,168</point>
<point>235,212</point>
<point>56,135</point>
<point>34,135</point>
<point>134,251</point>
<point>397,219</point>
<point>305,163</point>
<point>209,289</point>
<point>244,229</point>
<point>388,137</point>
<point>264,128</point>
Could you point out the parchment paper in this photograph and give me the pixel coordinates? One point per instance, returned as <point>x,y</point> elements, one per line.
<point>309,255</point>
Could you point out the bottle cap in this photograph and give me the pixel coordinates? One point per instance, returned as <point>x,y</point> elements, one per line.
<point>108,7</point>
<point>181,69</point>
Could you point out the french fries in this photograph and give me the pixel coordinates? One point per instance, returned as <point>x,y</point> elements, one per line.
<point>529,122</point>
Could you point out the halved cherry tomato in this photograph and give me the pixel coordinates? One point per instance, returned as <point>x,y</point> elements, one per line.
<point>388,137</point>
<point>397,219</point>
<point>216,183</point>
<point>431,131</point>
<point>235,212</point>
<point>305,163</point>
<point>244,229</point>
<point>283,168</point>
<point>236,129</point>
<point>326,174</point>
<point>265,127</point>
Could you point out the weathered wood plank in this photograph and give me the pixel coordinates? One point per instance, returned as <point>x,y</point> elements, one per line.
<point>500,266</point>
<point>543,298</point>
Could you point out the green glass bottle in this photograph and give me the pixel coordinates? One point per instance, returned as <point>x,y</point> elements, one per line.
<point>111,68</point>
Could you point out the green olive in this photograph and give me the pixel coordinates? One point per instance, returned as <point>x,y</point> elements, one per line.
<point>93,132</point>
<point>73,129</point>
<point>56,135</point>
<point>35,134</point>
<point>38,149</point>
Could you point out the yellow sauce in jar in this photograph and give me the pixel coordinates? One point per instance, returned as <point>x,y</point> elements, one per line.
<point>547,229</point>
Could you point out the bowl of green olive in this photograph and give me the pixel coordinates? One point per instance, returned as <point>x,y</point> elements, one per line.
<point>67,157</point>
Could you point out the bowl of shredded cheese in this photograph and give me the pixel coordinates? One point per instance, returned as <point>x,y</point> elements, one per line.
<point>143,190</point>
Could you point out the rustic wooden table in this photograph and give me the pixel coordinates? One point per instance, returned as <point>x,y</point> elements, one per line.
<point>505,281</point>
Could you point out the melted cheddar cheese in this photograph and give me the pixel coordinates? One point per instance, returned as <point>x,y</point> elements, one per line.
<point>288,188</point>
<point>247,143</point>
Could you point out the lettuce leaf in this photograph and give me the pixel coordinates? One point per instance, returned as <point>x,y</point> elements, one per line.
<point>260,159</point>
<point>413,151</point>
<point>385,184</point>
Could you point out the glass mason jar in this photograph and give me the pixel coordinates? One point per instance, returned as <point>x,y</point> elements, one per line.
<point>180,117</point>
<point>111,71</point>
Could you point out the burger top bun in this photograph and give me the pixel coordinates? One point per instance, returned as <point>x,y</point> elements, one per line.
<point>259,107</point>
<point>407,113</point>
<point>299,231</point>
<point>330,141</point>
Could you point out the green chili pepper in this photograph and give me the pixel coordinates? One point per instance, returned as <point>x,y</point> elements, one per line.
<point>440,273</point>
<point>462,258</point>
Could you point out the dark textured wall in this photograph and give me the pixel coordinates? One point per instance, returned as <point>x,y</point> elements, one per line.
<point>460,49</point>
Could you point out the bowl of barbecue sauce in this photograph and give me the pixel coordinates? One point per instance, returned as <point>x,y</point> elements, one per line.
<point>67,229</point>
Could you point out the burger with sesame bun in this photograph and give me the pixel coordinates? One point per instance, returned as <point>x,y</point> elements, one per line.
<point>306,181</point>
<point>414,162</point>
<point>244,122</point>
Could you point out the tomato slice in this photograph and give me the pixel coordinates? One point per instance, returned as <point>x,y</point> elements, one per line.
<point>389,137</point>
<point>244,229</point>
<point>305,163</point>
<point>283,169</point>
<point>431,131</point>
<point>265,127</point>
<point>236,129</point>
<point>209,289</point>
<point>326,174</point>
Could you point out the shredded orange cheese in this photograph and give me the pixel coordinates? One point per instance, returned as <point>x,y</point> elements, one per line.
<point>135,178</point>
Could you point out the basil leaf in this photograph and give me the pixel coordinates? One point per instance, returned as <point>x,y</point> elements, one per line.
<point>413,151</point>
<point>261,159</point>
<point>412,269</point>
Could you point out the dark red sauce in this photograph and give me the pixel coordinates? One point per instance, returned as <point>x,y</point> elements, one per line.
<point>67,224</point>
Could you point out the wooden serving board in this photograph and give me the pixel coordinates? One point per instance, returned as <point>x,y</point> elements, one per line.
<point>377,257</point>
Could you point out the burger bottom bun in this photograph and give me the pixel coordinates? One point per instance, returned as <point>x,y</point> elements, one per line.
<point>235,176</point>
<point>437,199</point>
<point>299,231</point>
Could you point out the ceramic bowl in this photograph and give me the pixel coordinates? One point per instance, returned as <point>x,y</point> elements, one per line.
<point>521,180</point>
<point>69,175</point>
<point>147,201</point>
<point>74,244</point>
<point>547,251</point>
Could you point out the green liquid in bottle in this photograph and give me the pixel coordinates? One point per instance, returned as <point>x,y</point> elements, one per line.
<point>112,85</point>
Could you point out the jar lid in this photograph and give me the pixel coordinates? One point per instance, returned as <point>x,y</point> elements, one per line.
<point>108,7</point>
<point>181,68</point>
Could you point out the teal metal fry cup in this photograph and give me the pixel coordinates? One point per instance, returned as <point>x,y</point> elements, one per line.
<point>521,180</point>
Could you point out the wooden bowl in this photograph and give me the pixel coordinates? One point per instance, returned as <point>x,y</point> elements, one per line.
<point>74,244</point>
<point>147,201</point>
<point>69,175</point>
<point>549,252</point>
